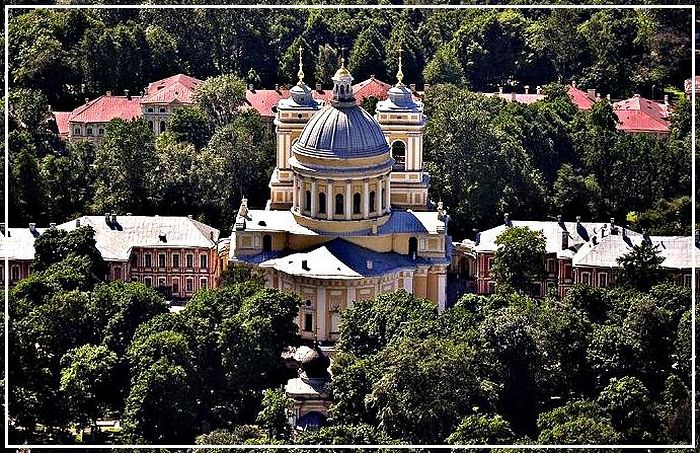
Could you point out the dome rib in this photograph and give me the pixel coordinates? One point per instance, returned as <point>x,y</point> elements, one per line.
<point>342,132</point>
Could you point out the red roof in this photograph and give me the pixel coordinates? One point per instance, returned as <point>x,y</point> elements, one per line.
<point>106,108</point>
<point>371,88</point>
<point>62,122</point>
<point>638,114</point>
<point>264,100</point>
<point>580,98</point>
<point>179,87</point>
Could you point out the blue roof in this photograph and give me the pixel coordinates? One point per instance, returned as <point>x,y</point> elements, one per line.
<point>356,257</point>
<point>402,222</point>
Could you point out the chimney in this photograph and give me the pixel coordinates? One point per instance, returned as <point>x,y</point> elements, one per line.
<point>578,220</point>
<point>527,89</point>
<point>645,236</point>
<point>2,228</point>
<point>126,93</point>
<point>305,265</point>
<point>277,87</point>
<point>564,240</point>
<point>573,83</point>
<point>506,220</point>
<point>318,87</point>
<point>128,213</point>
<point>87,100</point>
<point>591,93</point>
<point>613,229</point>
<point>512,96</point>
<point>114,219</point>
<point>412,86</point>
<point>109,93</point>
<point>608,97</point>
<point>697,237</point>
<point>77,223</point>
<point>636,95</point>
<point>477,239</point>
<point>52,225</point>
<point>595,240</point>
<point>370,264</point>
<point>250,87</point>
<point>500,89</point>
<point>538,90</point>
<point>371,76</point>
<point>559,219</point>
<point>107,218</point>
<point>189,216</point>
<point>32,227</point>
<point>665,99</point>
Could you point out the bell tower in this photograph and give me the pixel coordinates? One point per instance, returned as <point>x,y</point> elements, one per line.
<point>292,115</point>
<point>403,123</point>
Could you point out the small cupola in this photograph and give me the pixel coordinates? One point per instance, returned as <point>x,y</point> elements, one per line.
<point>342,86</point>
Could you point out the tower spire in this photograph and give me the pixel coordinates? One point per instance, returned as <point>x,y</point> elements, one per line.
<point>300,74</point>
<point>399,73</point>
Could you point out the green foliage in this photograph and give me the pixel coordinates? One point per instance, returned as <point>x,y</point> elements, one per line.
<point>578,422</point>
<point>274,415</point>
<point>190,125</point>
<point>641,266</point>
<point>444,67</point>
<point>345,434</point>
<point>482,429</point>
<point>520,258</point>
<point>627,403</point>
<point>220,97</point>
<point>371,325</point>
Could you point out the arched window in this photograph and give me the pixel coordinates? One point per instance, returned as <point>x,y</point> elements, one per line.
<point>339,208</point>
<point>307,201</point>
<point>322,203</point>
<point>398,152</point>
<point>162,126</point>
<point>356,202</point>
<point>412,246</point>
<point>267,243</point>
<point>150,123</point>
<point>372,197</point>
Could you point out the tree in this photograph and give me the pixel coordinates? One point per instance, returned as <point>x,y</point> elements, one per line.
<point>578,422</point>
<point>220,98</point>
<point>425,388</point>
<point>641,266</point>
<point>190,125</point>
<point>27,197</point>
<point>444,67</point>
<point>367,58</point>
<point>126,167</point>
<point>520,258</point>
<point>326,64</point>
<point>345,434</point>
<point>482,429</point>
<point>289,63</point>
<point>159,408</point>
<point>86,382</point>
<point>627,403</point>
<point>576,195</point>
<point>274,414</point>
<point>370,325</point>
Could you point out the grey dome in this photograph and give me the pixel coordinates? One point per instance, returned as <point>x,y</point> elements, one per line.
<point>342,132</point>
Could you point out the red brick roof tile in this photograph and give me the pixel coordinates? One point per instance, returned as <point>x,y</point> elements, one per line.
<point>106,108</point>
<point>62,122</point>
<point>638,114</point>
<point>580,98</point>
<point>179,87</point>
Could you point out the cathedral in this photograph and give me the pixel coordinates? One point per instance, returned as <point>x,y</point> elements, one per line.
<point>348,215</point>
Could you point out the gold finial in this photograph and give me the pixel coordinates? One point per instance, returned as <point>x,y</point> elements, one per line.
<point>300,74</point>
<point>399,74</point>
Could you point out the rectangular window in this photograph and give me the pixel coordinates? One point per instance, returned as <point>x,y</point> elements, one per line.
<point>492,287</point>
<point>203,283</point>
<point>188,285</point>
<point>117,273</point>
<point>489,264</point>
<point>602,280</point>
<point>147,260</point>
<point>14,273</point>
<point>308,322</point>
<point>134,279</point>
<point>147,281</point>
<point>2,274</point>
<point>134,260</point>
<point>176,285</point>
<point>551,265</point>
<point>161,260</point>
<point>567,272</point>
<point>89,131</point>
<point>687,281</point>
<point>176,260</point>
<point>537,289</point>
<point>188,260</point>
<point>586,278</point>
<point>203,261</point>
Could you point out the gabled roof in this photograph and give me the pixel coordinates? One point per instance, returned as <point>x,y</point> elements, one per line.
<point>638,114</point>
<point>340,259</point>
<point>581,99</point>
<point>115,240</point>
<point>106,108</point>
<point>677,251</point>
<point>371,88</point>
<point>179,88</point>
<point>62,122</point>
<point>578,233</point>
<point>17,244</point>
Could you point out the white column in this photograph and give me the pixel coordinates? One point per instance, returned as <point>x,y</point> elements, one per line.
<point>321,313</point>
<point>295,192</point>
<point>409,153</point>
<point>380,196</point>
<point>365,198</point>
<point>301,194</point>
<point>442,292</point>
<point>330,200</point>
<point>348,199</point>
<point>388,193</point>
<point>408,283</point>
<point>351,296</point>
<point>314,198</point>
